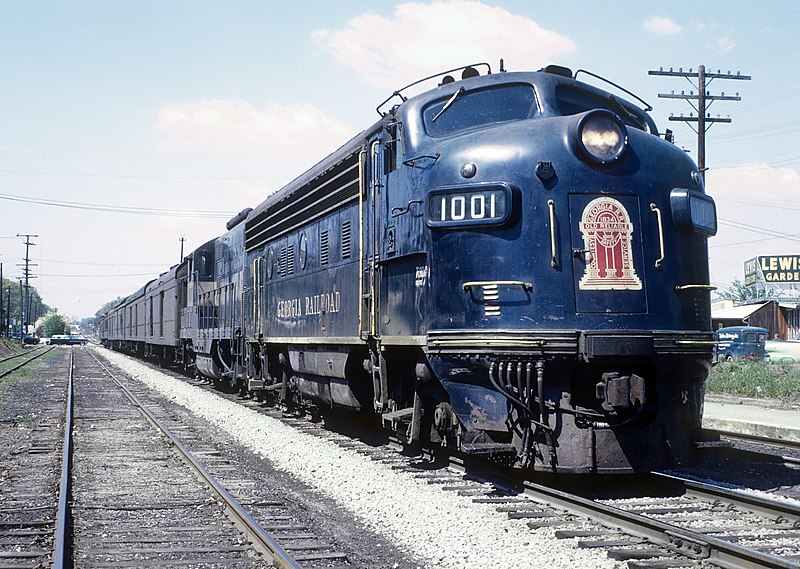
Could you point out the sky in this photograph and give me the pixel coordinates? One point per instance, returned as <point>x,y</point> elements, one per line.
<point>127,126</point>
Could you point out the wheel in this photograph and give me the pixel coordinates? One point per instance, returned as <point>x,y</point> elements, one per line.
<point>728,358</point>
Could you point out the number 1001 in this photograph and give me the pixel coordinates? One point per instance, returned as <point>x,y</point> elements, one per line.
<point>468,207</point>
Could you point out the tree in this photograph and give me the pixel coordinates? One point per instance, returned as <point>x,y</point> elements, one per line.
<point>110,305</point>
<point>739,292</point>
<point>36,304</point>
<point>53,323</point>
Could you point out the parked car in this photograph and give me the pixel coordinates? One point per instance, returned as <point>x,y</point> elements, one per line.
<point>783,351</point>
<point>66,340</point>
<point>740,343</point>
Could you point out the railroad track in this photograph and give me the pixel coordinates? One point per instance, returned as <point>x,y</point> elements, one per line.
<point>10,364</point>
<point>18,354</point>
<point>140,499</point>
<point>759,447</point>
<point>32,413</point>
<point>694,525</point>
<point>288,527</point>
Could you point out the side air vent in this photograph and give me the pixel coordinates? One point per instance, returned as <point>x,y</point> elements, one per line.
<point>323,247</point>
<point>282,262</point>
<point>290,260</point>
<point>346,240</point>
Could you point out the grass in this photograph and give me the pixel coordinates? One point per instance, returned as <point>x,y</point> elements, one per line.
<point>30,372</point>
<point>756,379</point>
<point>23,419</point>
<point>8,346</point>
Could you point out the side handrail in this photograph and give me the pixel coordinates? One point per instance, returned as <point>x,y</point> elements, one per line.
<point>553,259</point>
<point>657,211</point>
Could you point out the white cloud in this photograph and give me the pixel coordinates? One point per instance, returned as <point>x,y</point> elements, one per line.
<point>661,26</point>
<point>724,44</point>
<point>238,126</point>
<point>419,39</point>
<point>699,27</point>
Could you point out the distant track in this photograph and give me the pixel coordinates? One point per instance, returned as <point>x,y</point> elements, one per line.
<point>31,462</point>
<point>756,441</point>
<point>37,353</point>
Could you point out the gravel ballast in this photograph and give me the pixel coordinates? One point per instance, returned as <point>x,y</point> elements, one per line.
<point>447,530</point>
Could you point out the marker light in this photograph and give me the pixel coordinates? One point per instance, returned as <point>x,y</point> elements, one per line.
<point>693,210</point>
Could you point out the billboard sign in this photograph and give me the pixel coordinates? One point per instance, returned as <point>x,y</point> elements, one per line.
<point>776,269</point>
<point>750,272</point>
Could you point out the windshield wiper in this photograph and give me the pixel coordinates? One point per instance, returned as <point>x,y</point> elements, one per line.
<point>629,114</point>
<point>449,102</point>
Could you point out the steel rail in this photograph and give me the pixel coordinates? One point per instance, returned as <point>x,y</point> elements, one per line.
<point>673,538</point>
<point>62,514</point>
<point>767,507</point>
<point>264,543</point>
<point>18,355</point>
<point>37,354</point>
<point>760,439</point>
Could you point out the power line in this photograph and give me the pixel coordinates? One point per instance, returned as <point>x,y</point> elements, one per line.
<point>760,230</point>
<point>119,209</point>
<point>143,177</point>
<point>749,242</point>
<point>757,203</point>
<point>60,261</point>
<point>99,276</point>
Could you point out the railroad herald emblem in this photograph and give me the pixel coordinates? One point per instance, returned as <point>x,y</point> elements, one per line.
<point>607,235</point>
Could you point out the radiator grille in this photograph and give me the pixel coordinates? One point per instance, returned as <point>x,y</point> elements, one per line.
<point>325,193</point>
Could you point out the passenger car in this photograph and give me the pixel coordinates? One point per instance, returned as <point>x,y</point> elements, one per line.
<point>66,340</point>
<point>783,351</point>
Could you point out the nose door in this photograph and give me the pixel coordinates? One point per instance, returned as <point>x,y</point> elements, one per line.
<point>607,257</point>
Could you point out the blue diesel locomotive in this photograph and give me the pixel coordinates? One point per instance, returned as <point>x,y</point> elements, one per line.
<point>511,264</point>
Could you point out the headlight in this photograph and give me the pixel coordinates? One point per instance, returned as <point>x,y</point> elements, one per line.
<point>693,210</point>
<point>602,136</point>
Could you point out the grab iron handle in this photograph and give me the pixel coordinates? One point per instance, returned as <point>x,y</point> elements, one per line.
<point>524,285</point>
<point>552,206</point>
<point>679,288</point>
<point>657,211</point>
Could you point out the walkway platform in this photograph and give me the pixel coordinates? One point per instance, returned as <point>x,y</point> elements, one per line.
<point>767,418</point>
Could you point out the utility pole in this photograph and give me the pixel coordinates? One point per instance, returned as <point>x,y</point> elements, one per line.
<point>25,315</point>
<point>704,100</point>
<point>182,239</point>
<point>21,304</point>
<point>8,310</point>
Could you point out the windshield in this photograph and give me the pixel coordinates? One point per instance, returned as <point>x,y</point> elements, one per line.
<point>469,109</point>
<point>573,101</point>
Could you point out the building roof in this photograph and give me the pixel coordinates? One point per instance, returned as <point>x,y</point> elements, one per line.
<point>736,312</point>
